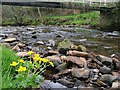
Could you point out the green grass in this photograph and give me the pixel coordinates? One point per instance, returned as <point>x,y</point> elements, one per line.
<point>7,57</point>
<point>90,18</point>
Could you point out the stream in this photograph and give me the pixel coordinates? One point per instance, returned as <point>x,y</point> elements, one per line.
<point>105,43</point>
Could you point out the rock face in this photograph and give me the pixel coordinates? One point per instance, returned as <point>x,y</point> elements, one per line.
<point>80,73</point>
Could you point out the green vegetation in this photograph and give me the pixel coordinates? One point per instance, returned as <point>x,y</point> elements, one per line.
<point>20,73</point>
<point>7,57</point>
<point>17,15</point>
<point>90,18</point>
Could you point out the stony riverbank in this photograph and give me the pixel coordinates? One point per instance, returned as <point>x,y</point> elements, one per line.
<point>76,66</point>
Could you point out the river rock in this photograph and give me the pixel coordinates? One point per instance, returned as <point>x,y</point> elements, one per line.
<point>30,28</point>
<point>55,59</point>
<point>22,54</point>
<point>66,43</point>
<point>108,79</point>
<point>80,73</point>
<point>52,52</point>
<point>116,63</point>
<point>49,85</point>
<point>96,71</point>
<point>66,83</point>
<point>21,45</point>
<point>51,43</point>
<point>116,84</point>
<point>62,67</point>
<point>105,60</point>
<point>80,61</point>
<point>9,40</point>
<point>39,43</point>
<point>77,53</point>
<point>81,48</point>
<point>34,36</point>
<point>16,48</point>
<point>105,70</point>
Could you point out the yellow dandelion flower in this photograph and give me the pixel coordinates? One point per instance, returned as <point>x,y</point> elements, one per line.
<point>22,69</point>
<point>30,52</point>
<point>22,61</point>
<point>51,63</point>
<point>36,58</point>
<point>14,64</point>
<point>36,55</point>
<point>45,60</point>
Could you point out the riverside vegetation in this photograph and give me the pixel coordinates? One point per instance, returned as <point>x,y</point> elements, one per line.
<point>20,73</point>
<point>33,16</point>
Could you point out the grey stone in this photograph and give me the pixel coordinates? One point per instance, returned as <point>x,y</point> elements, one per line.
<point>80,73</point>
<point>108,79</point>
<point>105,70</point>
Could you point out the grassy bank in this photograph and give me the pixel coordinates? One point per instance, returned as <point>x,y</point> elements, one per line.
<point>90,18</point>
<point>30,16</point>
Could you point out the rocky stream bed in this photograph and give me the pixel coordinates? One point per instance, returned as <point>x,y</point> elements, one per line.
<point>83,58</point>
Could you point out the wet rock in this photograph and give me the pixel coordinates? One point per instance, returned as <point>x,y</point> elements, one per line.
<point>81,48</point>
<point>39,43</point>
<point>9,40</point>
<point>64,72</point>
<point>34,36</point>
<point>65,44</point>
<point>98,83</point>
<point>92,65</point>
<point>62,67</point>
<point>105,70</point>
<point>51,43</point>
<point>51,52</point>
<point>116,74</point>
<point>108,79</point>
<point>55,59</point>
<point>105,60</point>
<point>96,71</point>
<point>21,45</point>
<point>49,48</point>
<point>4,36</point>
<point>116,63</point>
<point>16,48</point>
<point>80,61</point>
<point>22,54</point>
<point>59,35</point>
<point>30,28</point>
<point>77,53</point>
<point>66,83</point>
<point>48,85</point>
<point>115,56</point>
<point>116,84</point>
<point>80,73</point>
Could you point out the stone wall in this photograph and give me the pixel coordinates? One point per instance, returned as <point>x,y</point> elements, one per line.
<point>110,19</point>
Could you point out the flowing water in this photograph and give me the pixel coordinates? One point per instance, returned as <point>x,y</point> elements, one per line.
<point>105,43</point>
